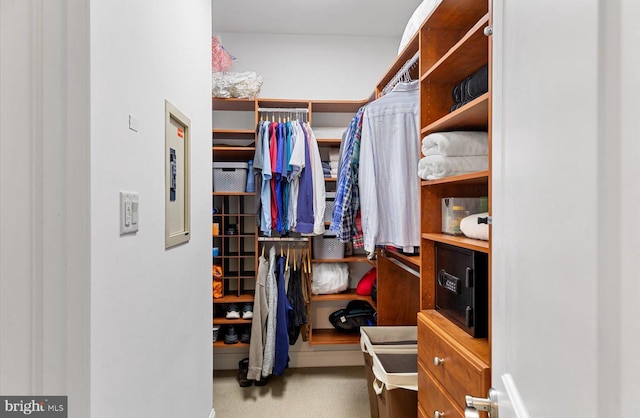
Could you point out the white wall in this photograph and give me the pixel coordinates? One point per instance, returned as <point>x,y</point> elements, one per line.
<point>151,307</point>
<point>44,200</point>
<point>313,67</point>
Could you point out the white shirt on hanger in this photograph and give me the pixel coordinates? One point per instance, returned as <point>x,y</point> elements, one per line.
<point>389,184</point>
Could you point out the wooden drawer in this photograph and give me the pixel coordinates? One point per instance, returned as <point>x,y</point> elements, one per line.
<point>461,371</point>
<point>432,396</point>
<point>421,413</point>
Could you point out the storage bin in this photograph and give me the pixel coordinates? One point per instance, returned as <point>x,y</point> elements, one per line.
<point>391,339</point>
<point>396,383</point>
<point>329,205</point>
<point>229,176</point>
<point>456,208</point>
<point>327,247</point>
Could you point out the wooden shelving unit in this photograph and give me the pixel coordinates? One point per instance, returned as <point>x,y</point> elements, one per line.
<point>332,337</point>
<point>347,295</point>
<point>452,47</point>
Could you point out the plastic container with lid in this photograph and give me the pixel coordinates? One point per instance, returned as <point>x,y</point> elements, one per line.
<point>454,209</point>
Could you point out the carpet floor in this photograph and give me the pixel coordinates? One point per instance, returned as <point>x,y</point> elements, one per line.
<point>336,392</point>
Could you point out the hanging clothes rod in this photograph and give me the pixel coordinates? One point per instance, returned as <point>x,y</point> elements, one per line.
<point>402,74</point>
<point>283,239</point>
<point>283,110</point>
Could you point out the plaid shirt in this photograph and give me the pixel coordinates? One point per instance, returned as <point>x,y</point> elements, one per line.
<point>347,203</point>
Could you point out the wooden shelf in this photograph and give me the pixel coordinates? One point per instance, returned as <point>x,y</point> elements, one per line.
<point>332,337</point>
<point>480,177</point>
<point>463,59</point>
<point>234,298</point>
<point>294,103</point>
<point>328,141</point>
<point>413,260</point>
<point>225,321</point>
<point>220,343</point>
<point>353,259</point>
<point>234,194</point>
<point>233,133</point>
<point>349,294</point>
<point>459,241</point>
<point>247,105</point>
<point>472,116</point>
<point>235,235</point>
<point>448,331</point>
<point>337,106</point>
<point>330,179</point>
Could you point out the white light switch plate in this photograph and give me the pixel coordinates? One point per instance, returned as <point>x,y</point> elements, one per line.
<point>128,212</point>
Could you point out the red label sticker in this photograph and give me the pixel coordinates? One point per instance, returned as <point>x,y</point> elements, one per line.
<point>180,133</point>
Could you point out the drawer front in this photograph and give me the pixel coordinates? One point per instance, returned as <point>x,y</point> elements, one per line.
<point>432,397</point>
<point>458,375</point>
<point>421,413</point>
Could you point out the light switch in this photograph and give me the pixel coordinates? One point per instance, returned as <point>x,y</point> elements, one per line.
<point>128,212</point>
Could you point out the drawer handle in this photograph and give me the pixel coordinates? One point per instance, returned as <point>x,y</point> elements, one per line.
<point>438,414</point>
<point>437,361</point>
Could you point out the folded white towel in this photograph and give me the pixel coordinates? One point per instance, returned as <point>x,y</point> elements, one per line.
<point>472,229</point>
<point>436,166</point>
<point>455,144</point>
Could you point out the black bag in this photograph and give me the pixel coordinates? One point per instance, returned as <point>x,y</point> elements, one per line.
<point>357,313</point>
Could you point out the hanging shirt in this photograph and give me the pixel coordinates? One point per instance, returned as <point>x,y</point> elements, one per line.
<point>304,222</point>
<point>347,201</point>
<point>319,194</point>
<point>282,335</point>
<point>280,168</point>
<point>273,153</point>
<point>389,191</point>
<point>297,163</point>
<point>265,193</point>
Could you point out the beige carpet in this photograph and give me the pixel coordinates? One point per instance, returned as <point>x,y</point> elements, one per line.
<point>301,393</point>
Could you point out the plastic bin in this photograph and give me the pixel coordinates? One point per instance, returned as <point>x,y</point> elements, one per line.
<point>327,247</point>
<point>329,205</point>
<point>383,401</point>
<point>454,209</point>
<point>229,176</point>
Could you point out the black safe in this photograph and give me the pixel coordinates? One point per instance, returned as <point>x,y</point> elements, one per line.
<point>461,287</point>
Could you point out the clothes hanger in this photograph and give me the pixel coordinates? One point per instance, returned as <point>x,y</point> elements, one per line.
<point>286,264</point>
<point>295,261</point>
<point>263,250</point>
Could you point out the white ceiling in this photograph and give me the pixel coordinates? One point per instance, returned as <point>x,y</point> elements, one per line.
<point>320,17</point>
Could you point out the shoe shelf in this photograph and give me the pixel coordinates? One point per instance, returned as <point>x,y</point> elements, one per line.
<point>226,299</point>
<point>225,321</point>
<point>221,344</point>
<point>324,336</point>
<point>347,295</point>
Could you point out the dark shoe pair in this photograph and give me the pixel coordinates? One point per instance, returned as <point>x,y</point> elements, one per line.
<point>243,370</point>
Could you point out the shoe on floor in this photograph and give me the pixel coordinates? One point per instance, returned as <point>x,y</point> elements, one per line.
<point>245,335</point>
<point>263,381</point>
<point>247,311</point>
<point>233,312</point>
<point>243,369</point>
<point>230,336</point>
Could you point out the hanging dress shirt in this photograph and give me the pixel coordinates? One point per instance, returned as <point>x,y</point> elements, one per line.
<point>389,186</point>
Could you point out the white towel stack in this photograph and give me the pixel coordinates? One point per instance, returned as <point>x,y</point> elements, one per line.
<point>453,153</point>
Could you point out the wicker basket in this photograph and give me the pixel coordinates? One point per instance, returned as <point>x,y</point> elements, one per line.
<point>327,247</point>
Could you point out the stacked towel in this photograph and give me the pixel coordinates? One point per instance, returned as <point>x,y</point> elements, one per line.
<point>436,166</point>
<point>455,144</point>
<point>453,153</point>
<point>470,88</point>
